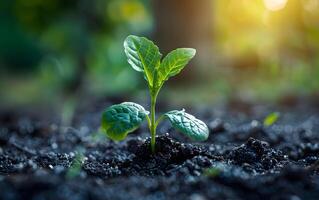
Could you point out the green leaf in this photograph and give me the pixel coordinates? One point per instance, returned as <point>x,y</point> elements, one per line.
<point>271,119</point>
<point>188,124</point>
<point>143,55</point>
<point>121,119</point>
<point>173,63</point>
<point>213,172</point>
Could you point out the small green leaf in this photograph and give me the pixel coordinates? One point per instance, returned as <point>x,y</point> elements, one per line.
<point>271,119</point>
<point>76,166</point>
<point>188,124</point>
<point>173,63</point>
<point>143,55</point>
<point>121,119</point>
<point>213,172</point>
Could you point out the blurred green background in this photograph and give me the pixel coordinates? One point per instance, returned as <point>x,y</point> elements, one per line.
<point>252,50</point>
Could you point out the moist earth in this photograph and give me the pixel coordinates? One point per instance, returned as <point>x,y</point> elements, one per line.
<point>242,159</point>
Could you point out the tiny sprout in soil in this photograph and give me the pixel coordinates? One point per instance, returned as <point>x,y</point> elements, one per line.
<point>144,56</point>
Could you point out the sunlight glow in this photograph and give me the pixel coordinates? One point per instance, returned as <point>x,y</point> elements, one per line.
<point>311,5</point>
<point>275,5</point>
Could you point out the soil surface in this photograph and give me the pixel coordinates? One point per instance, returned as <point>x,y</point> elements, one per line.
<point>242,159</point>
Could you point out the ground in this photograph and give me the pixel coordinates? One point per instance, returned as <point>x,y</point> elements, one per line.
<point>242,159</point>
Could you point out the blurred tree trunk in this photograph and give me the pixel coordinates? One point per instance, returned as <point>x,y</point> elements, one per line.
<point>185,23</point>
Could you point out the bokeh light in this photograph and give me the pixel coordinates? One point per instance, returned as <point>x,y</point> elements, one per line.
<point>275,5</point>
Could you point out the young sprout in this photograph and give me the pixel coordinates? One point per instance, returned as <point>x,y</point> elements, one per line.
<point>144,56</point>
<point>271,119</point>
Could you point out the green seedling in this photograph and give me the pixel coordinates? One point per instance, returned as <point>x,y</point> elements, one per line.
<point>212,172</point>
<point>271,119</point>
<point>144,56</point>
<point>76,166</point>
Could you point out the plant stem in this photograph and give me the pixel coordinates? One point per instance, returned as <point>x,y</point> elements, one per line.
<point>159,120</point>
<point>153,122</point>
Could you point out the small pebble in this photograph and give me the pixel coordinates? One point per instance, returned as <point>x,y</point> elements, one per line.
<point>58,169</point>
<point>20,166</point>
<point>84,130</point>
<point>217,126</point>
<point>99,181</point>
<point>41,172</point>
<point>54,127</point>
<point>32,164</point>
<point>83,174</point>
<point>294,197</point>
<point>254,123</point>
<point>196,173</point>
<point>197,197</point>
<point>54,145</point>
<point>190,179</point>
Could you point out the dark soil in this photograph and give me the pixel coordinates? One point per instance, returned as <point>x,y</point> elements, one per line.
<point>242,159</point>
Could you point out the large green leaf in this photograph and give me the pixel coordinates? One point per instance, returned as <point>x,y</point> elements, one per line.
<point>121,119</point>
<point>188,124</point>
<point>143,55</point>
<point>173,63</point>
